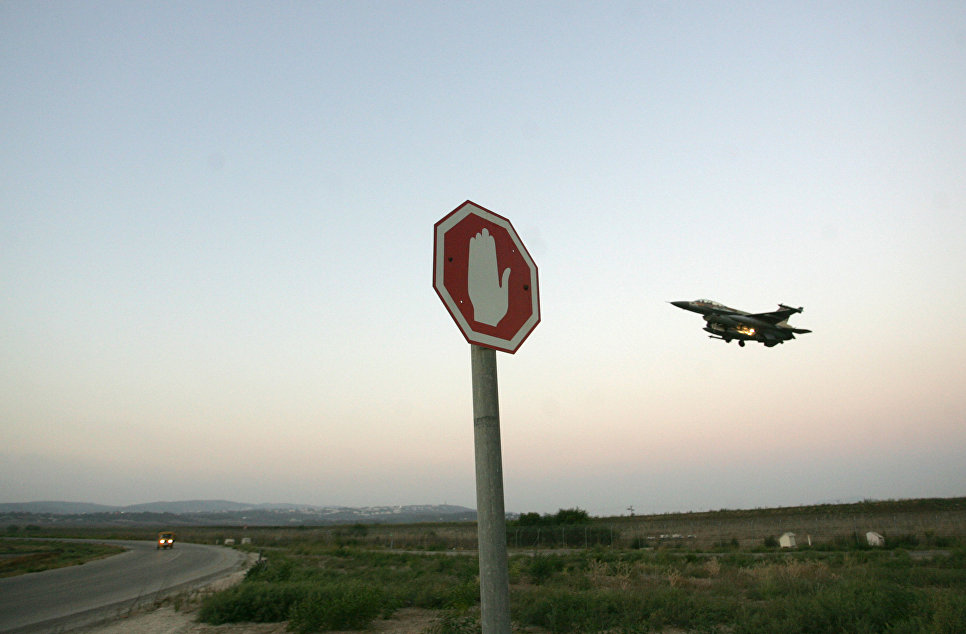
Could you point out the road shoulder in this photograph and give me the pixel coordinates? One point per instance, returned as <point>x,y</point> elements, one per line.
<point>164,618</point>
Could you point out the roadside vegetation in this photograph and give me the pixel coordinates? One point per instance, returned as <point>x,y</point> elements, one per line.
<point>20,556</point>
<point>715,571</point>
<point>319,588</point>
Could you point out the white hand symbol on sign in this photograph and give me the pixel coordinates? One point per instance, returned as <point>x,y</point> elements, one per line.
<point>488,293</point>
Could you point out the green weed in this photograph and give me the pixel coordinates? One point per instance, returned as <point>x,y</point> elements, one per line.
<point>456,622</point>
<point>254,602</point>
<point>349,606</point>
<point>320,581</point>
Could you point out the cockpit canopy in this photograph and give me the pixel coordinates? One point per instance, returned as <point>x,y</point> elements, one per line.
<point>710,302</point>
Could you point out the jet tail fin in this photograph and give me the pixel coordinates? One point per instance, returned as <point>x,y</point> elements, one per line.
<point>789,311</point>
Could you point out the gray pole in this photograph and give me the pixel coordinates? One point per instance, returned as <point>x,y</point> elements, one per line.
<point>490,513</point>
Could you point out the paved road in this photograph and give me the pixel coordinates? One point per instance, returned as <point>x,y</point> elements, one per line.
<point>67,598</point>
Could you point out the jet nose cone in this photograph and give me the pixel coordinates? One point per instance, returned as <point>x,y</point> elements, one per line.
<point>681,304</point>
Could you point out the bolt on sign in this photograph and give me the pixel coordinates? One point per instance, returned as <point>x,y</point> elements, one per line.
<point>485,277</point>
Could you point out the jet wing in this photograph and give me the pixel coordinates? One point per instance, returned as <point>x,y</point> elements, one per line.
<point>777,316</point>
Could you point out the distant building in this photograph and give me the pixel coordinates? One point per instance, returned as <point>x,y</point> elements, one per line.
<point>875,539</point>
<point>787,540</point>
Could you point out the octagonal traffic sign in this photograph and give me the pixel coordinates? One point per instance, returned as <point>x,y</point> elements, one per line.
<point>485,277</point>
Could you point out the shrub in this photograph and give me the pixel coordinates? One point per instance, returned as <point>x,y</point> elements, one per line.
<point>255,602</point>
<point>571,516</point>
<point>852,606</point>
<point>528,519</point>
<point>733,544</point>
<point>638,542</point>
<point>948,614</point>
<point>351,606</point>
<point>437,594</point>
<point>902,541</point>
<point>277,569</point>
<point>562,610</point>
<point>542,567</point>
<point>563,517</point>
<point>456,622</point>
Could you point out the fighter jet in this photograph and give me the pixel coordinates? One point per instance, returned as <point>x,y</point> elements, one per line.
<point>730,323</point>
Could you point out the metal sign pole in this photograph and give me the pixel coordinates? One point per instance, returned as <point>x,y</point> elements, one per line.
<point>490,512</point>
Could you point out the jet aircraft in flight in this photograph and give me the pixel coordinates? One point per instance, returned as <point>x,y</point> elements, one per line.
<point>730,323</point>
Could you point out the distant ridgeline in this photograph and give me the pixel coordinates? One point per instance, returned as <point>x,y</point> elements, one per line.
<point>221,513</point>
<point>917,505</point>
<point>225,513</point>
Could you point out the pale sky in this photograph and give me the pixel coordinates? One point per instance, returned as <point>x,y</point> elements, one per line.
<point>216,236</point>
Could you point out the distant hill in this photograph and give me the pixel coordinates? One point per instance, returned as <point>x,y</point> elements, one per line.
<point>187,506</point>
<point>55,507</point>
<point>223,512</point>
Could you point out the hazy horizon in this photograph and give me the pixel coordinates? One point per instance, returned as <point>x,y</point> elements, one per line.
<point>216,250</point>
<point>625,512</point>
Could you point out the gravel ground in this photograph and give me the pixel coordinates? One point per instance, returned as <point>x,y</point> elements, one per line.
<point>166,620</point>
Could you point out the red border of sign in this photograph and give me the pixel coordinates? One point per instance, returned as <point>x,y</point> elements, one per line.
<point>524,309</point>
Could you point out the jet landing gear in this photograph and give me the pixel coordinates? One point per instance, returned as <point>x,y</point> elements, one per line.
<point>741,342</point>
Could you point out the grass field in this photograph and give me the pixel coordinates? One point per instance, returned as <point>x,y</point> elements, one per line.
<point>319,588</point>
<point>720,571</point>
<point>19,556</point>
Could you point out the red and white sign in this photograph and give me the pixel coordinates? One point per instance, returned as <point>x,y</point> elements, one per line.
<point>485,277</point>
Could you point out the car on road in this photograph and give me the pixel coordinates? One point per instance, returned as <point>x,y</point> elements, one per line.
<point>165,540</point>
